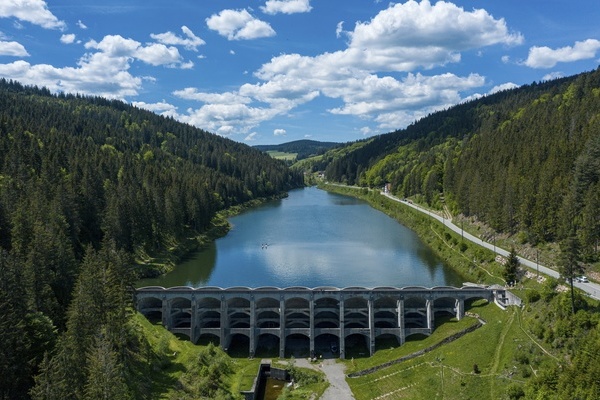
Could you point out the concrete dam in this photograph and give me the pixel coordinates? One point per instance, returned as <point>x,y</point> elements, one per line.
<point>320,319</point>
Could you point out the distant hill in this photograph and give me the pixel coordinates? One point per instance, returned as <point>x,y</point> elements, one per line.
<point>302,148</point>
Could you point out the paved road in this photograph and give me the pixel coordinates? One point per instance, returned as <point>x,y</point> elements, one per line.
<point>591,289</point>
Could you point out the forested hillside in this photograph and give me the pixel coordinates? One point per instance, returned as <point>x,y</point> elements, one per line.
<point>302,148</point>
<point>524,161</point>
<point>87,184</point>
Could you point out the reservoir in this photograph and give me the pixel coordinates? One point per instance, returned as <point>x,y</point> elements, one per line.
<point>313,238</point>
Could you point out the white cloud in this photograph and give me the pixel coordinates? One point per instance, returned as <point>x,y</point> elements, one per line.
<point>286,6</point>
<point>214,98</point>
<point>33,11</point>
<point>190,42</point>
<point>406,36</point>
<point>104,71</point>
<point>81,25</point>
<point>339,29</point>
<point>154,54</point>
<point>553,75</point>
<point>251,137</point>
<point>545,57</point>
<point>14,49</point>
<point>68,38</point>
<point>279,132</point>
<point>162,108</point>
<point>97,74</point>
<point>373,95</point>
<point>502,87</point>
<point>228,119</point>
<point>184,65</point>
<point>365,130</point>
<point>282,92</point>
<point>239,25</point>
<point>158,54</point>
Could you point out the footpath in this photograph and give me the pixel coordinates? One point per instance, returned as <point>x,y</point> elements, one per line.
<point>334,371</point>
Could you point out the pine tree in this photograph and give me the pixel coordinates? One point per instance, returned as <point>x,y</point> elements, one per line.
<point>511,268</point>
<point>14,379</point>
<point>568,263</point>
<point>105,373</point>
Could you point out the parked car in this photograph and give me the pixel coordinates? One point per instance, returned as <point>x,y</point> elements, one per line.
<point>582,279</point>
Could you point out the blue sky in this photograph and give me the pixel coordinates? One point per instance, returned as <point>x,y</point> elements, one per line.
<point>273,71</point>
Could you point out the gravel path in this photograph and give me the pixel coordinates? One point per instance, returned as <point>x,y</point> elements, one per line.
<point>338,387</point>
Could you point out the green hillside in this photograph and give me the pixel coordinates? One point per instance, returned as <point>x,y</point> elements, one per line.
<point>523,161</point>
<point>88,188</point>
<point>300,148</point>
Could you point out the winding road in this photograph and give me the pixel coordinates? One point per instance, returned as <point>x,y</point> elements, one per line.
<point>592,289</point>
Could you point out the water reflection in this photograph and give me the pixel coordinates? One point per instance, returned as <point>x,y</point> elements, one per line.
<point>308,240</point>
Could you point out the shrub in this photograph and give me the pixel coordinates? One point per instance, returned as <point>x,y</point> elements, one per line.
<point>531,296</point>
<point>515,391</point>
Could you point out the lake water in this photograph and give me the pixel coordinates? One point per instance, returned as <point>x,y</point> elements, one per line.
<point>313,238</point>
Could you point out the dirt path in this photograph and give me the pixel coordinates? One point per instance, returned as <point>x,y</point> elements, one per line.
<point>338,387</point>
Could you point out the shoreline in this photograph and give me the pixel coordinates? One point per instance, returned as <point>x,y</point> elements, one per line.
<point>167,259</point>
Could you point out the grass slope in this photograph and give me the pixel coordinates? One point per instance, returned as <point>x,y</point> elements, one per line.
<point>449,371</point>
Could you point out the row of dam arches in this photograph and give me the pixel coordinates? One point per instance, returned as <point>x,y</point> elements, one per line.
<point>302,321</point>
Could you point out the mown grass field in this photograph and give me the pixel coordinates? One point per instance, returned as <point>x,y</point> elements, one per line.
<point>280,155</point>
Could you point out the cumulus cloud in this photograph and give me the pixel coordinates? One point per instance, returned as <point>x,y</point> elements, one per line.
<point>162,108</point>
<point>502,87</point>
<point>81,25</point>
<point>13,49</point>
<point>154,53</point>
<point>410,35</point>
<point>96,74</point>
<point>68,38</point>
<point>286,6</point>
<point>214,98</point>
<point>373,95</point>
<point>279,132</point>
<point>228,119</point>
<point>103,71</point>
<point>400,39</point>
<point>190,42</point>
<point>32,11</point>
<point>545,57</point>
<point>239,25</point>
